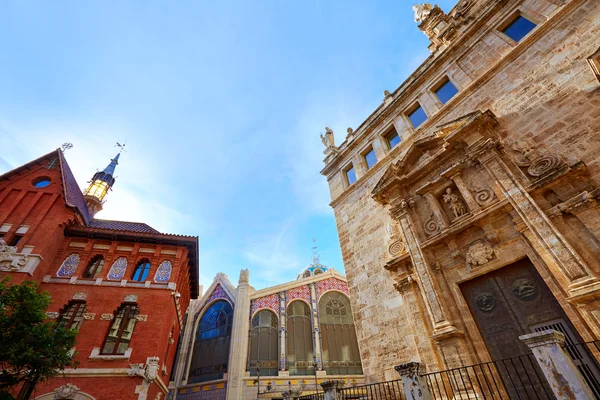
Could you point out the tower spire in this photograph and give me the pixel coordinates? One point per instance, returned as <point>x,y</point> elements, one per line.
<point>101,183</point>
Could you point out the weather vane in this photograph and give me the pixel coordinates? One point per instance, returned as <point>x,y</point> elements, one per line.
<point>121,146</point>
<point>66,146</point>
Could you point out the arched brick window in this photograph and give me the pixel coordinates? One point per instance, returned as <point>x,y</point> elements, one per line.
<point>71,315</point>
<point>338,337</point>
<point>141,271</point>
<point>300,354</point>
<point>211,347</point>
<point>264,344</point>
<point>121,330</point>
<point>94,267</point>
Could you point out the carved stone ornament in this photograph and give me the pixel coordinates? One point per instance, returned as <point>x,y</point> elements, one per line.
<point>89,316</point>
<point>463,6</point>
<point>483,196</point>
<point>52,314</point>
<point>396,245</point>
<point>79,296</point>
<point>106,317</point>
<point>328,139</point>
<point>538,163</point>
<point>479,253</point>
<point>10,260</point>
<point>66,392</point>
<point>456,204</point>
<point>141,317</point>
<point>131,298</point>
<point>431,226</point>
<point>544,164</point>
<point>422,11</point>
<point>149,371</point>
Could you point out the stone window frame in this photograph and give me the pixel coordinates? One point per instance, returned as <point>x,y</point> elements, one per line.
<point>415,105</point>
<point>363,156</point>
<point>348,167</point>
<point>524,12</point>
<point>387,133</point>
<point>594,62</point>
<point>439,82</point>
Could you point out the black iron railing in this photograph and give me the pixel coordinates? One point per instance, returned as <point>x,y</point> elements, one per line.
<point>315,396</point>
<point>585,356</point>
<point>391,390</point>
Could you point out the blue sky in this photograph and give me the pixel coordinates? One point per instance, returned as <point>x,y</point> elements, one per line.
<point>221,105</point>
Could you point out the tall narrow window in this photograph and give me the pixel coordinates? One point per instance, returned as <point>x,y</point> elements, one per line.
<point>340,347</point>
<point>72,315</point>
<point>264,344</point>
<point>350,174</point>
<point>94,267</point>
<point>211,347</point>
<point>370,158</point>
<point>518,28</point>
<point>300,355</point>
<point>445,90</point>
<point>141,271</point>
<point>392,138</point>
<point>120,333</point>
<point>417,115</point>
<point>15,240</point>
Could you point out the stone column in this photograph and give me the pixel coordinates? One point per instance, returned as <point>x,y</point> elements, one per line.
<point>331,389</point>
<point>282,338</point>
<point>415,387</point>
<point>549,242</point>
<point>466,193</point>
<point>425,279</point>
<point>314,305</point>
<point>565,380</point>
<point>239,338</point>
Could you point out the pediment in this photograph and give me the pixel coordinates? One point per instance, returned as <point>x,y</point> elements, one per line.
<point>456,134</point>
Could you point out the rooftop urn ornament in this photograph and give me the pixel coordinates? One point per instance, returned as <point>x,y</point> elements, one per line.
<point>422,11</point>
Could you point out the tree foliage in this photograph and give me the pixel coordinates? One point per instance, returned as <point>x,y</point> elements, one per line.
<point>32,348</point>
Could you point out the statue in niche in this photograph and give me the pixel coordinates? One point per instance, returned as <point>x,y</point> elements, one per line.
<point>456,205</point>
<point>421,11</point>
<point>328,139</point>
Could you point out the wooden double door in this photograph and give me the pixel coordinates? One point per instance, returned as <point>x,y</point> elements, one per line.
<point>514,301</point>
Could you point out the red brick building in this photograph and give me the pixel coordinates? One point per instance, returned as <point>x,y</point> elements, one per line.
<point>123,285</point>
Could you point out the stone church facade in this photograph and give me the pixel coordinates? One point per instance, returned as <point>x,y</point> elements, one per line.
<point>467,202</point>
<point>242,343</point>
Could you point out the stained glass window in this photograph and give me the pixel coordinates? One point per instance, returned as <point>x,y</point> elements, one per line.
<point>94,267</point>
<point>141,271</point>
<point>300,354</point>
<point>120,333</point>
<point>68,266</point>
<point>338,337</point>
<point>117,271</point>
<point>264,344</point>
<point>163,273</point>
<point>211,347</point>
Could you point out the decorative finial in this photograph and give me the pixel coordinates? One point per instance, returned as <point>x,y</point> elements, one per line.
<point>422,11</point>
<point>315,255</point>
<point>386,93</point>
<point>350,131</point>
<point>66,146</point>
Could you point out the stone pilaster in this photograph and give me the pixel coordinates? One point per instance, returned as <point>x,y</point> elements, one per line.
<point>282,329</point>
<point>314,304</point>
<point>562,375</point>
<point>239,338</point>
<point>424,276</point>
<point>466,193</point>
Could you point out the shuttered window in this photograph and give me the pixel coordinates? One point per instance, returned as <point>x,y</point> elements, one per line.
<point>299,340</point>
<point>264,344</point>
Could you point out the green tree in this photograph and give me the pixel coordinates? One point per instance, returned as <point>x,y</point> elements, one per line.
<point>32,349</point>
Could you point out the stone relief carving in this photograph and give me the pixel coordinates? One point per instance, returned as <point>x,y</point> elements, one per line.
<point>525,289</point>
<point>479,253</point>
<point>483,196</point>
<point>79,296</point>
<point>422,11</point>
<point>52,314</point>
<point>538,163</point>
<point>432,227</point>
<point>10,260</point>
<point>131,298</point>
<point>486,302</point>
<point>456,204</point>
<point>149,371</point>
<point>106,317</point>
<point>66,392</point>
<point>396,245</point>
<point>141,317</point>
<point>89,316</point>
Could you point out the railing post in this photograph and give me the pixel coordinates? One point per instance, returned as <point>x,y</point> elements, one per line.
<point>332,389</point>
<point>565,380</point>
<point>414,385</point>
